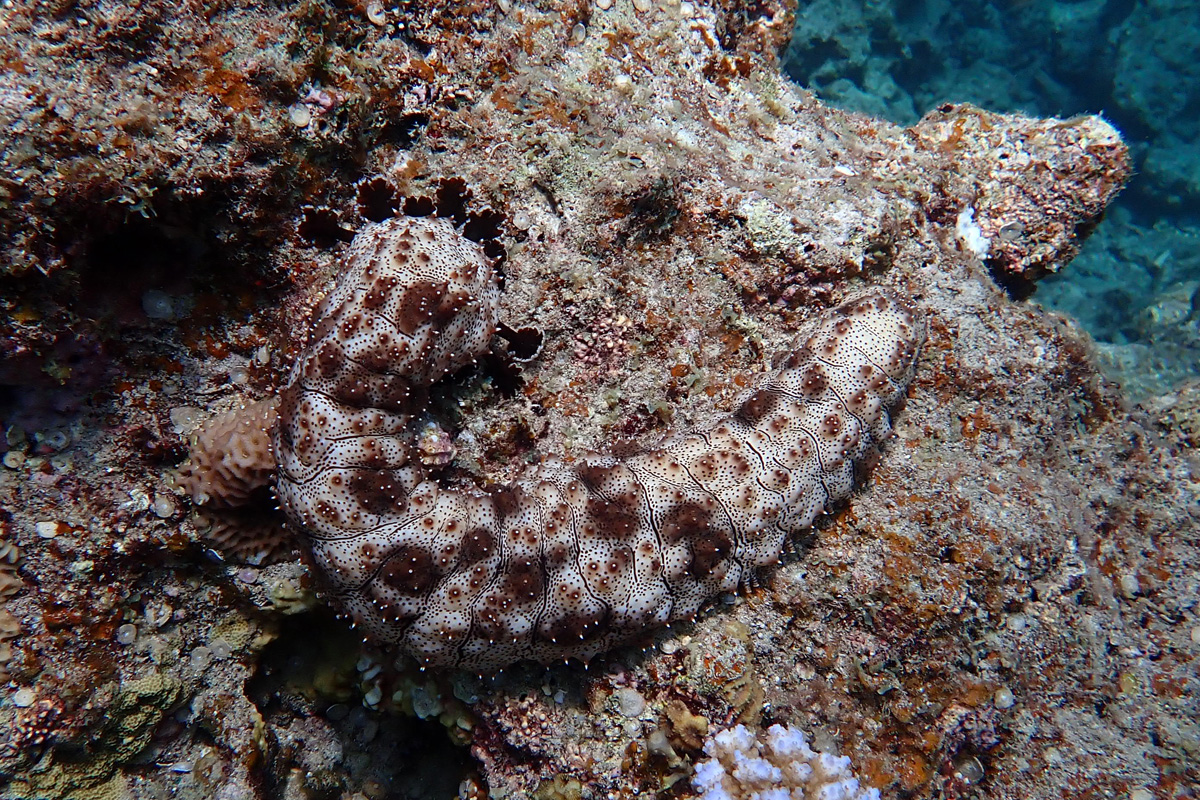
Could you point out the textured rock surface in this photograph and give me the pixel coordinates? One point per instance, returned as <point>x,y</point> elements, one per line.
<point>1002,607</point>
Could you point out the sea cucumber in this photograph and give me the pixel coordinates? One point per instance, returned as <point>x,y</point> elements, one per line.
<point>571,559</point>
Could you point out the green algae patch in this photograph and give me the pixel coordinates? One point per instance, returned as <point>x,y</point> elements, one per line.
<point>91,772</point>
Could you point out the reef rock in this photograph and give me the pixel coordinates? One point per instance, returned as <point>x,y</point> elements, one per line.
<point>1001,605</point>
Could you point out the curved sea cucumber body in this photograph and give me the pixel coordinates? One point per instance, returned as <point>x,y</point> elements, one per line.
<point>571,559</point>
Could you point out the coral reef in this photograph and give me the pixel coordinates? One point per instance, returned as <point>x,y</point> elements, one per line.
<point>1002,609</point>
<point>228,474</point>
<point>9,628</point>
<point>136,710</point>
<point>251,536</point>
<point>1022,236</point>
<point>10,584</point>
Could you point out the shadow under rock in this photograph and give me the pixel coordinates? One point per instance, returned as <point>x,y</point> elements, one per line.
<point>309,691</point>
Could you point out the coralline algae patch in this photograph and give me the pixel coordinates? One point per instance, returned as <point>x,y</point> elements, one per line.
<point>571,559</point>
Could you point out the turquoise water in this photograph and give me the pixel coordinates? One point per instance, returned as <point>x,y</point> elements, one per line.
<point>1136,284</point>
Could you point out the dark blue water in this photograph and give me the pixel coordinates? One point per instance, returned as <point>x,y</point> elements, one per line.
<point>1136,284</point>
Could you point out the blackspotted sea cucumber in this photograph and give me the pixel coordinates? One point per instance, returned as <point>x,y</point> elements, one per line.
<point>571,559</point>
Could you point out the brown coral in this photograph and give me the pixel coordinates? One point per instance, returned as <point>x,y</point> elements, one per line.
<point>231,456</point>
<point>9,628</point>
<point>230,464</point>
<point>10,584</point>
<point>246,534</point>
<point>10,557</point>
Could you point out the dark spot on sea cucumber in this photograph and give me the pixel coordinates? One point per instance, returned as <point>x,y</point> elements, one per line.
<point>409,569</point>
<point>375,490</point>
<point>757,405</point>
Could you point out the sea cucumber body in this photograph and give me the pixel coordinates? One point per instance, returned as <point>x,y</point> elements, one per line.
<point>571,559</point>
